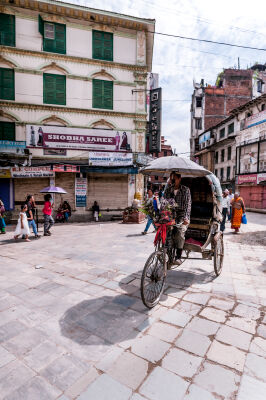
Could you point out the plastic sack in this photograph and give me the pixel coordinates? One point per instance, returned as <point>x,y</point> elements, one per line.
<point>244,219</point>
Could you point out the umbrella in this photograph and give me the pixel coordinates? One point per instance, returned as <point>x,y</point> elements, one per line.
<point>165,165</point>
<point>53,189</point>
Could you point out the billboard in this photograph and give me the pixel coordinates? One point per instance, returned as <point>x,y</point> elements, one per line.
<point>155,120</point>
<point>8,146</point>
<point>32,172</point>
<point>61,137</point>
<point>105,159</point>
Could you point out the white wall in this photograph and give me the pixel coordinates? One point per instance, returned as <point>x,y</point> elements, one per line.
<point>78,42</point>
<point>125,50</point>
<point>28,88</point>
<point>27,34</point>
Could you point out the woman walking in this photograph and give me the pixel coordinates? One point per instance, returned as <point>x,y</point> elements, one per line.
<point>22,225</point>
<point>47,214</point>
<point>238,209</point>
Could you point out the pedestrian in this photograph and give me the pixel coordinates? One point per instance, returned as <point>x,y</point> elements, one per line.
<point>47,213</point>
<point>30,215</point>
<point>225,208</point>
<point>2,220</point>
<point>238,209</point>
<point>231,197</point>
<point>151,199</point>
<point>96,211</point>
<point>22,227</point>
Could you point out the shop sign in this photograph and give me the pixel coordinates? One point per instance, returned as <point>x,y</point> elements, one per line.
<point>250,178</point>
<point>5,173</point>
<point>32,172</point>
<point>9,146</point>
<point>155,121</point>
<point>54,152</point>
<point>61,137</point>
<point>255,119</point>
<point>65,168</point>
<point>261,178</point>
<point>81,192</point>
<point>106,159</point>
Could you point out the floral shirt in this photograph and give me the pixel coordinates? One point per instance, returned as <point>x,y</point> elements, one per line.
<point>182,198</point>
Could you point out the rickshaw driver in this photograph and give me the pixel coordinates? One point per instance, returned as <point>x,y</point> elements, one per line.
<point>181,195</point>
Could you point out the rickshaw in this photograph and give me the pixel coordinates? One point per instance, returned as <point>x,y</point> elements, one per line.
<point>203,235</point>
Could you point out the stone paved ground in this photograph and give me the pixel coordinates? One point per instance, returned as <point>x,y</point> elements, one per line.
<point>76,327</point>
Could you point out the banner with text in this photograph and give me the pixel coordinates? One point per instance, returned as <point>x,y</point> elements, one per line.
<point>81,192</point>
<point>61,137</point>
<point>105,159</point>
<point>32,172</point>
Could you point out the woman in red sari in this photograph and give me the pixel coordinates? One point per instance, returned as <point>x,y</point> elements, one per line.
<point>238,209</point>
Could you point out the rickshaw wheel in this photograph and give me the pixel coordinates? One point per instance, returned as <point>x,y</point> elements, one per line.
<point>153,279</point>
<point>218,257</point>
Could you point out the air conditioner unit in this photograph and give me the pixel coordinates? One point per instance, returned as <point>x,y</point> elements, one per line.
<point>212,140</point>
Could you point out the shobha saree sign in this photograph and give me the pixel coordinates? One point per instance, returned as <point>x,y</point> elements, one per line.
<point>61,137</point>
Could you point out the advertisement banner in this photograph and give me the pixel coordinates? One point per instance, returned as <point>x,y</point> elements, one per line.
<point>8,146</point>
<point>250,178</point>
<point>5,173</point>
<point>255,119</point>
<point>81,192</point>
<point>155,121</point>
<point>32,172</point>
<point>261,177</point>
<point>61,137</point>
<point>206,136</point>
<point>105,159</point>
<point>65,168</point>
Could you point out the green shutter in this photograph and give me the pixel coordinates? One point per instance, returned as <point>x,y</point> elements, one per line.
<point>7,88</point>
<point>7,30</point>
<point>102,45</point>
<point>54,89</point>
<point>58,44</point>
<point>41,25</point>
<point>102,94</point>
<point>7,131</point>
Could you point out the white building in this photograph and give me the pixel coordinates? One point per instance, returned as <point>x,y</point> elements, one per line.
<point>72,86</point>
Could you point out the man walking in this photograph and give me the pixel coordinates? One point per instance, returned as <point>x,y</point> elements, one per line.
<point>181,195</point>
<point>226,208</point>
<point>151,199</point>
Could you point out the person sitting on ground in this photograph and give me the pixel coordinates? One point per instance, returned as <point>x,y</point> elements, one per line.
<point>22,227</point>
<point>152,199</point>
<point>96,211</point>
<point>2,220</point>
<point>59,214</point>
<point>30,210</point>
<point>47,214</point>
<point>66,211</point>
<point>181,195</point>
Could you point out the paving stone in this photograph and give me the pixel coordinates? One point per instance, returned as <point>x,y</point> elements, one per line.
<point>165,332</point>
<point>233,336</point>
<point>193,342</point>
<point>262,330</point>
<point>176,318</point>
<point>255,366</point>
<point>35,389</point>
<point>161,382</point>
<point>108,360</point>
<point>218,380</point>
<point>198,298</point>
<point>129,370</point>
<point>203,326</point>
<point>145,324</point>
<point>197,393</point>
<point>248,312</point>
<point>175,292</point>
<point>187,307</point>
<point>150,348</point>
<point>137,396</point>
<point>105,388</point>
<point>168,301</point>
<point>222,304</point>
<point>12,376</point>
<point>258,346</point>
<point>10,330</point>
<point>82,383</point>
<point>43,355</point>
<point>181,363</point>
<point>251,388</point>
<point>213,314</point>
<point>227,355</point>
<point>5,357</point>
<point>25,341</point>
<point>243,324</point>
<point>125,301</point>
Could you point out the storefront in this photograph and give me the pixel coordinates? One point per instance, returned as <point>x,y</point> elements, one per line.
<point>6,189</point>
<point>252,187</point>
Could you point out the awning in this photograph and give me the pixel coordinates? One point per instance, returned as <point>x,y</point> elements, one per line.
<point>103,170</point>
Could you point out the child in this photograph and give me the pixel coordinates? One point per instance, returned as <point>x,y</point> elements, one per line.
<point>47,214</point>
<point>22,225</point>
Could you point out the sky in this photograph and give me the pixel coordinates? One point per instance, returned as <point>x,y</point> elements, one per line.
<point>180,61</point>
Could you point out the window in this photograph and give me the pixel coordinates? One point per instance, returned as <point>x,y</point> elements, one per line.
<point>7,88</point>
<point>198,123</point>
<point>7,30</point>
<point>54,36</point>
<point>102,94</point>
<point>222,133</point>
<point>54,89</point>
<point>228,173</point>
<point>165,153</point>
<point>156,177</point>
<point>222,155</point>
<point>216,172</point>
<point>222,174</point>
<point>102,45</point>
<point>259,86</point>
<point>229,150</point>
<point>7,130</point>
<point>231,128</point>
<point>216,157</point>
<point>199,102</point>
<point>262,107</point>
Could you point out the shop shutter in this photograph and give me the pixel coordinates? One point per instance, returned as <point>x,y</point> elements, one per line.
<point>7,88</point>
<point>58,44</point>
<point>102,94</point>
<point>102,45</point>
<point>7,30</point>
<point>7,131</point>
<point>54,89</point>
